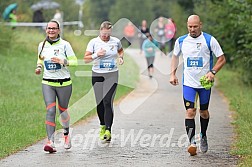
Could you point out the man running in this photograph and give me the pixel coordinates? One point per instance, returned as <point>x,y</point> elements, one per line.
<point>197,49</point>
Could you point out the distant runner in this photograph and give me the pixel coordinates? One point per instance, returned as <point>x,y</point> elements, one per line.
<point>149,47</point>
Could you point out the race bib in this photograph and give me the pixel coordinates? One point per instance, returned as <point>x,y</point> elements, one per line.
<point>52,66</point>
<point>107,64</point>
<point>194,62</point>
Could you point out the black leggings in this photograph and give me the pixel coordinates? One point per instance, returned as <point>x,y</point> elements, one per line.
<point>105,85</point>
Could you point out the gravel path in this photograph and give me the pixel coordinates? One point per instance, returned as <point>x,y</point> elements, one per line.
<point>148,130</point>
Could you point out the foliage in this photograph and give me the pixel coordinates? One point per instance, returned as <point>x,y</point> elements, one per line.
<point>97,14</point>
<point>244,49</point>
<point>187,5</point>
<point>180,17</point>
<point>124,9</point>
<point>231,24</point>
<point>96,11</point>
<point>25,13</point>
<point>162,8</point>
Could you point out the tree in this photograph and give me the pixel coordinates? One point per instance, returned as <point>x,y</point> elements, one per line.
<point>135,11</point>
<point>187,5</point>
<point>162,8</point>
<point>231,23</point>
<point>180,18</point>
<point>99,10</point>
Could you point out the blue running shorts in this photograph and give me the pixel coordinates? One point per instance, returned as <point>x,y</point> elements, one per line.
<point>191,95</point>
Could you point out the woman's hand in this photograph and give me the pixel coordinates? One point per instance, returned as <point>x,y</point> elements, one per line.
<point>101,52</point>
<point>57,60</point>
<point>38,70</point>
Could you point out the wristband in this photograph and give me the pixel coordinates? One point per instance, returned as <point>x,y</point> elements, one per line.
<point>121,57</point>
<point>39,66</point>
<point>94,55</point>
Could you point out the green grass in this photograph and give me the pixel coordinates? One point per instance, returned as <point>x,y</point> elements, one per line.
<point>240,101</point>
<point>22,106</point>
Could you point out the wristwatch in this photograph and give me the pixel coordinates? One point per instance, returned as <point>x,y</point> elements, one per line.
<point>213,72</point>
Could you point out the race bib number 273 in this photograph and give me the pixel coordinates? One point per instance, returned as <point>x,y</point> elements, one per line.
<point>52,66</point>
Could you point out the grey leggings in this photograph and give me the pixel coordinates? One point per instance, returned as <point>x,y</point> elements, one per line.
<point>63,95</point>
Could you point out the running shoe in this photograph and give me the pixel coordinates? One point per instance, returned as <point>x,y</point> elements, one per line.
<point>107,136</point>
<point>192,149</point>
<point>67,144</point>
<point>102,132</point>
<point>203,144</point>
<point>50,147</point>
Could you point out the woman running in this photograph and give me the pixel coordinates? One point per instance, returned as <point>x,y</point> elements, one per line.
<point>55,54</point>
<point>104,51</point>
<point>149,47</point>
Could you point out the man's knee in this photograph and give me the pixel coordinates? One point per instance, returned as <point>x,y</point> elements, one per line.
<point>204,114</point>
<point>190,113</point>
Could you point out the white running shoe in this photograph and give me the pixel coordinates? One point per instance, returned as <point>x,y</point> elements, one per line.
<point>67,144</point>
<point>50,147</point>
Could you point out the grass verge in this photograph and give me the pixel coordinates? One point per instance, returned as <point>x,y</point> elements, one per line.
<point>240,101</point>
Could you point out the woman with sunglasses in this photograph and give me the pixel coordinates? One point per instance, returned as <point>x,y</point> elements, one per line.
<point>104,51</point>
